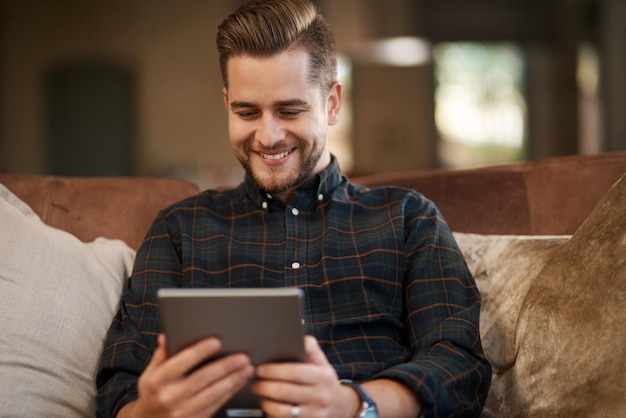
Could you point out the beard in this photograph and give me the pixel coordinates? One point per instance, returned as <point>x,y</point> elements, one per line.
<point>281,179</point>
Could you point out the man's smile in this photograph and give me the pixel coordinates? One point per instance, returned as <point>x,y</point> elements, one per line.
<point>275,157</point>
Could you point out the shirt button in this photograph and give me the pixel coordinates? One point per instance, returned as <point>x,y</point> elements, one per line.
<point>320,197</point>
<point>295,265</point>
<point>295,211</point>
<point>303,321</point>
<point>264,205</point>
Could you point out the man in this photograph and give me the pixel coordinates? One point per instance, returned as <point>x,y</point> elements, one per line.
<point>390,302</point>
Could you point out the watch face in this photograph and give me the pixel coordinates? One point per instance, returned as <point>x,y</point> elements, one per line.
<point>370,412</point>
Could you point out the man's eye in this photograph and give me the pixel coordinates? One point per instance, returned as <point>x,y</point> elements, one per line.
<point>291,113</point>
<point>248,114</point>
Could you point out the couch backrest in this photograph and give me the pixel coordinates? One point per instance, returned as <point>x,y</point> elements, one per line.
<point>89,207</point>
<point>549,196</point>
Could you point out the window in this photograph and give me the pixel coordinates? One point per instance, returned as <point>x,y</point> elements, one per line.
<point>480,109</point>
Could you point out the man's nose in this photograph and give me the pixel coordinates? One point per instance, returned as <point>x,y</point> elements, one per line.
<point>270,131</point>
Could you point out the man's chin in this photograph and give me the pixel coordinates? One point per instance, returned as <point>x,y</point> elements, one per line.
<point>273,180</point>
<point>273,186</point>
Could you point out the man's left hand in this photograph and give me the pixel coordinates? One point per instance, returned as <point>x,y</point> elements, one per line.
<point>310,389</point>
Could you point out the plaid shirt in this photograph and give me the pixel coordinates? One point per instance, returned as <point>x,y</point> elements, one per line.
<point>388,293</point>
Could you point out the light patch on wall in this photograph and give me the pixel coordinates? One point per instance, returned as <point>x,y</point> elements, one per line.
<point>588,77</point>
<point>480,109</point>
<point>404,51</point>
<point>340,135</point>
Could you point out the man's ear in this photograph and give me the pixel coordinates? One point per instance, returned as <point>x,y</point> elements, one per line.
<point>225,96</point>
<point>335,97</point>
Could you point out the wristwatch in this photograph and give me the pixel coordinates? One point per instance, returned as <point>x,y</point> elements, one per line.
<point>368,410</point>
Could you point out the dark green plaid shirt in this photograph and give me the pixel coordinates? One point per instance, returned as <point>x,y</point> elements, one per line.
<point>388,293</point>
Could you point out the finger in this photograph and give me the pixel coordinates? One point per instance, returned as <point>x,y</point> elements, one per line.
<point>159,356</point>
<point>211,386</point>
<point>314,352</point>
<point>294,373</point>
<point>281,392</point>
<point>316,369</point>
<point>180,364</point>
<point>192,356</point>
<point>279,409</point>
<point>229,367</point>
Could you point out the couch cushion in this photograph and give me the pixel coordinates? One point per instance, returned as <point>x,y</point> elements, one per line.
<point>58,296</point>
<point>504,267</point>
<point>570,337</point>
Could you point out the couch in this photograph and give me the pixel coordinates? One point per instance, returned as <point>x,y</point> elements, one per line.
<point>545,240</point>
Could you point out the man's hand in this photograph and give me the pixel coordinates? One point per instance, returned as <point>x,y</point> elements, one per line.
<point>171,386</point>
<point>312,386</point>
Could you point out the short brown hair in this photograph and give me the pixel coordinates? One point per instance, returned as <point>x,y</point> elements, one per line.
<point>262,28</point>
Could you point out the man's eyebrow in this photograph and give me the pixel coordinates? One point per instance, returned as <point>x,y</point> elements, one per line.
<point>293,102</point>
<point>241,105</point>
<point>237,104</point>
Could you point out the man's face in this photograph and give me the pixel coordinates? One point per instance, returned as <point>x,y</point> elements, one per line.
<point>278,121</point>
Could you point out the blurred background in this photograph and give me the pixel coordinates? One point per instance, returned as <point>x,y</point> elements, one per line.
<point>132,87</point>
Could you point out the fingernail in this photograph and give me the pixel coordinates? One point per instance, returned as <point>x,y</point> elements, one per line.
<point>212,344</point>
<point>248,371</point>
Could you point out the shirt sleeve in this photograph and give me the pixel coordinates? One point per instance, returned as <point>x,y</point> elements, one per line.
<point>448,369</point>
<point>132,337</point>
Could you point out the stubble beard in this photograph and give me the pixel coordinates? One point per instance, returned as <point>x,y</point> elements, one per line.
<point>273,179</point>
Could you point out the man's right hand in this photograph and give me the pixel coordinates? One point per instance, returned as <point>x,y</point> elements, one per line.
<point>167,388</point>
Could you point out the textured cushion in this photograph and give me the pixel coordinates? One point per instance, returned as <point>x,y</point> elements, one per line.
<point>504,267</point>
<point>57,299</point>
<point>570,338</point>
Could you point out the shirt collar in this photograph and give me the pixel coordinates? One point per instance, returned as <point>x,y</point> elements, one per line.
<point>317,189</point>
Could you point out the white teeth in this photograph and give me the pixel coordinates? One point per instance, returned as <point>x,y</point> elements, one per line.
<point>275,156</point>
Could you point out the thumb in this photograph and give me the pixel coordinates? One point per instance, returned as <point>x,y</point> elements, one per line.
<point>160,354</point>
<point>313,351</point>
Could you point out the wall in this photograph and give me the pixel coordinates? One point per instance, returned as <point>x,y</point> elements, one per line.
<point>613,50</point>
<point>181,124</point>
<point>180,128</point>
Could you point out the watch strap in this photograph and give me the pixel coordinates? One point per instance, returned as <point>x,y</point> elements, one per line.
<point>369,409</point>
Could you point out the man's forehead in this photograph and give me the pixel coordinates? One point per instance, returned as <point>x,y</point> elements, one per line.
<point>289,66</point>
<point>265,82</point>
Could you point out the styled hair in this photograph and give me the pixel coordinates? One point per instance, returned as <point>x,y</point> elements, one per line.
<point>263,28</point>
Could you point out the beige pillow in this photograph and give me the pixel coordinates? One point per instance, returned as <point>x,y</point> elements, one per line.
<point>504,267</point>
<point>57,300</point>
<point>571,335</point>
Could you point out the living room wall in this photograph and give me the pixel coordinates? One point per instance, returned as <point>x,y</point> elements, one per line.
<point>179,126</point>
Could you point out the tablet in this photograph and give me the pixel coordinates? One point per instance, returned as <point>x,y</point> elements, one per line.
<point>266,323</point>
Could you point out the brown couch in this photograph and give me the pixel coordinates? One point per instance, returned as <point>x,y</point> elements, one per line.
<point>548,196</point>
<point>543,197</point>
<point>114,207</point>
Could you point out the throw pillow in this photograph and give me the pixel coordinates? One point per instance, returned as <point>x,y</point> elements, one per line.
<point>58,296</point>
<point>570,337</point>
<point>504,267</point>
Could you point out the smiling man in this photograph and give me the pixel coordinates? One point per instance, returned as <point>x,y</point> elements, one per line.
<point>279,127</point>
<point>391,310</point>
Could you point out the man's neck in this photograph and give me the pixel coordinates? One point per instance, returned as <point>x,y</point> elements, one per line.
<point>285,196</point>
